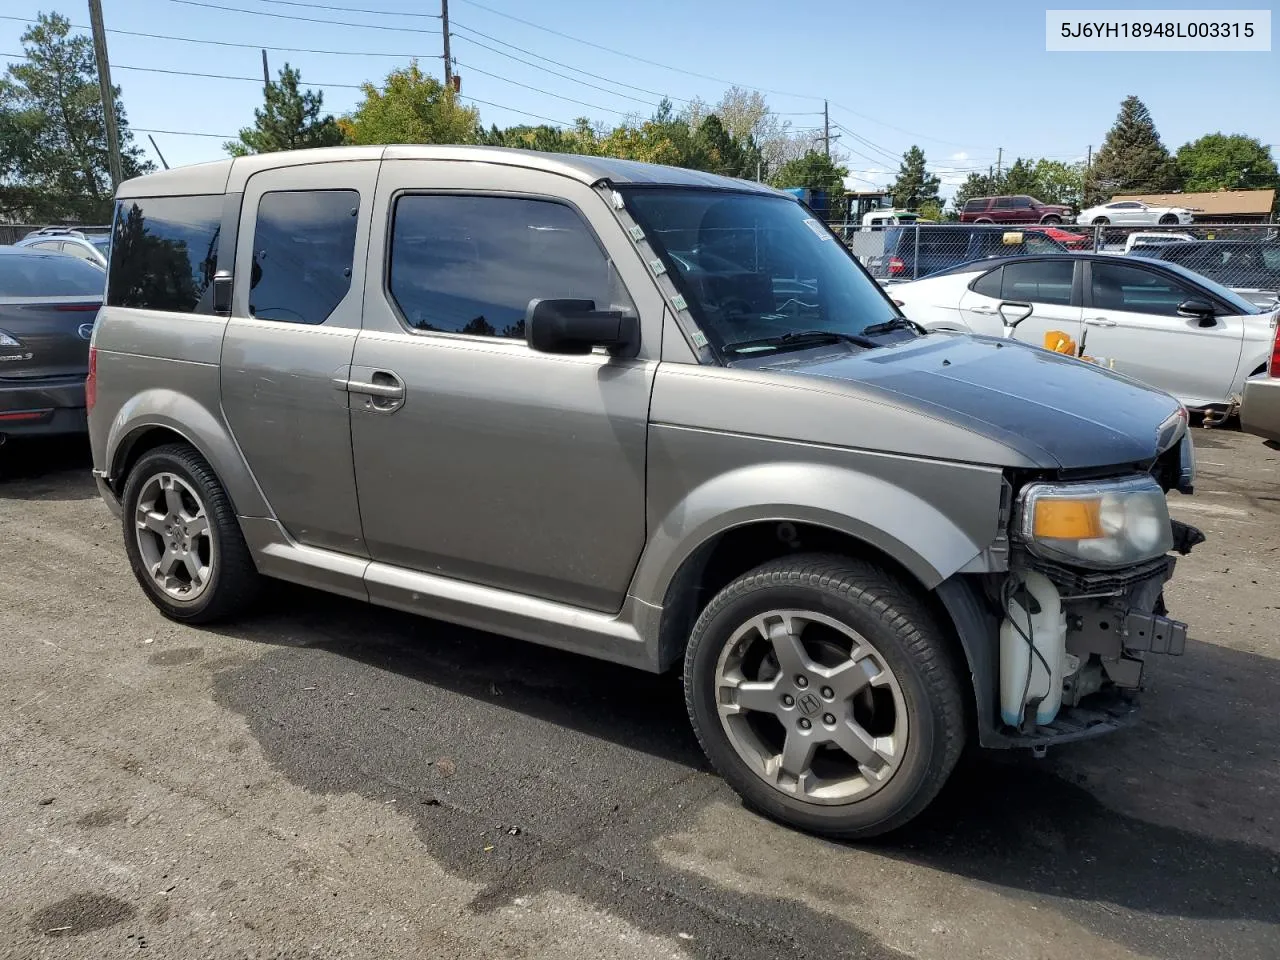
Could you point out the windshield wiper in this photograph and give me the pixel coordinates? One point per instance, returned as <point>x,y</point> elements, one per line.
<point>800,338</point>
<point>893,323</point>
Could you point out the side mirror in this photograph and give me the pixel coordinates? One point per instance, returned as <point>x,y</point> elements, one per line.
<point>576,326</point>
<point>1198,310</point>
<point>222,293</point>
<point>1012,314</point>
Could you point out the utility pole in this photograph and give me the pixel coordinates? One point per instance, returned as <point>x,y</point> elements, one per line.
<point>108,94</point>
<point>827,136</point>
<point>266,74</point>
<point>448,60</point>
<point>999,160</point>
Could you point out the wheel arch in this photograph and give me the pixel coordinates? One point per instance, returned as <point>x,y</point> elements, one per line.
<point>756,513</point>
<point>159,416</point>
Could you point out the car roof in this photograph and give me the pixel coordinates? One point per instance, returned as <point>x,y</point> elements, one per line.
<point>230,175</point>
<point>981,266</point>
<point>13,250</point>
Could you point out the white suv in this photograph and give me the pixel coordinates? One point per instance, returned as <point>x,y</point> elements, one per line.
<point>74,242</point>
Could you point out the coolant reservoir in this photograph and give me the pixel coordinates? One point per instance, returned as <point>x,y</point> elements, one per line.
<point>1045,625</point>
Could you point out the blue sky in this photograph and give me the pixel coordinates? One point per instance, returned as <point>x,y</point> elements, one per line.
<point>976,78</point>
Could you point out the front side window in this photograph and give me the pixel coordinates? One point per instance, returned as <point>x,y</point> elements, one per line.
<point>1138,291</point>
<point>1038,281</point>
<point>304,242</point>
<point>756,268</point>
<point>164,252</point>
<point>471,264</point>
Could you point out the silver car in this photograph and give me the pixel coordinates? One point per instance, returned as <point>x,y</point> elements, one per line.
<point>645,414</point>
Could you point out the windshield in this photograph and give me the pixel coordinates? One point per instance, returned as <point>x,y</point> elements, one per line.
<point>755,267</point>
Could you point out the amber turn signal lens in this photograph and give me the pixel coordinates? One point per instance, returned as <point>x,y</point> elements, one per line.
<point>1068,519</point>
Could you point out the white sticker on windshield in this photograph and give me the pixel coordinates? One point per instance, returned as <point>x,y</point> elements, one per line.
<point>816,227</point>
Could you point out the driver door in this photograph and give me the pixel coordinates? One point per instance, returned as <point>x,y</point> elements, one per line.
<point>1131,318</point>
<point>1048,286</point>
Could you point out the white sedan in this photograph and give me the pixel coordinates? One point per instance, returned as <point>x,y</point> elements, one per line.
<point>1154,321</point>
<point>1134,213</point>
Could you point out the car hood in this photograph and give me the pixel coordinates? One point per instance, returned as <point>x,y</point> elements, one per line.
<point>1054,410</point>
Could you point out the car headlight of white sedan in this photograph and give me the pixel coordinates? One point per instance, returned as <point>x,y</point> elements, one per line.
<point>1104,524</point>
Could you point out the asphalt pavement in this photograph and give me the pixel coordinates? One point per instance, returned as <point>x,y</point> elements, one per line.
<point>326,779</point>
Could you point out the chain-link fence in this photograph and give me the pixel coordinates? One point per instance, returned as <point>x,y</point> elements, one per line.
<point>1244,257</point>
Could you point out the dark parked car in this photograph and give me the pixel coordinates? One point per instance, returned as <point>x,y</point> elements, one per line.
<point>48,305</point>
<point>1013,209</point>
<point>1250,267</point>
<point>941,246</point>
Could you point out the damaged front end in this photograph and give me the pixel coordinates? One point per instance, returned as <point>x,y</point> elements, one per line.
<point>1082,602</point>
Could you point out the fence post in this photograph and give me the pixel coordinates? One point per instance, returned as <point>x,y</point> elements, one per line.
<point>915,259</point>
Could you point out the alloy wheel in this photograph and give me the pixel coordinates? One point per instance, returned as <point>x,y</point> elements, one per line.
<point>811,706</point>
<point>173,536</point>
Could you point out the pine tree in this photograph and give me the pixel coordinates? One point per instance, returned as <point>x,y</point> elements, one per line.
<point>290,119</point>
<point>915,185</point>
<point>1132,158</point>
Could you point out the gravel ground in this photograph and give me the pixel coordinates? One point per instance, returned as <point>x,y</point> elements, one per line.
<point>332,780</point>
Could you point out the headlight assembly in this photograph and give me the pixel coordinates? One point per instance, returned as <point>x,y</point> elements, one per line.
<point>1114,523</point>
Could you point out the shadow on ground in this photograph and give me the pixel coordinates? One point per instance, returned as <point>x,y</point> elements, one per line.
<point>476,735</point>
<point>54,468</point>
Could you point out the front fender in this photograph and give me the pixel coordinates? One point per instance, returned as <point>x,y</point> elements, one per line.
<point>184,415</point>
<point>886,515</point>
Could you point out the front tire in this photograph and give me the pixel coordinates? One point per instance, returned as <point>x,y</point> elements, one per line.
<point>1168,220</point>
<point>1052,219</point>
<point>826,695</point>
<point>183,540</point>
<point>1101,221</point>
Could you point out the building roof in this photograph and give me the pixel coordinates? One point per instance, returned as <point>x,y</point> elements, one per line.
<point>230,174</point>
<point>1219,203</point>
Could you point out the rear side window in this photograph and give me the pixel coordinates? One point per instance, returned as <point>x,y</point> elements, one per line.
<point>471,264</point>
<point>49,275</point>
<point>304,243</point>
<point>164,252</point>
<point>972,206</point>
<point>988,285</point>
<point>1038,281</point>
<point>1006,203</point>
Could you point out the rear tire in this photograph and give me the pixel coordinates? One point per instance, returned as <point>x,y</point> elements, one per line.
<point>984,220</point>
<point>183,540</point>
<point>878,720</point>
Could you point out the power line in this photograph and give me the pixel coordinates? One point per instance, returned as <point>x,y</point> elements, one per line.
<point>503,53</point>
<point>246,46</point>
<point>290,16</point>
<point>185,133</point>
<point>341,9</point>
<point>546,93</point>
<point>632,56</point>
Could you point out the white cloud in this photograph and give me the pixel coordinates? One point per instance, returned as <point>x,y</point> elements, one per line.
<point>960,156</point>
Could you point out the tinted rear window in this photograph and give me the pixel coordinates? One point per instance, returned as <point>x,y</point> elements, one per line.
<point>49,275</point>
<point>304,242</point>
<point>164,252</point>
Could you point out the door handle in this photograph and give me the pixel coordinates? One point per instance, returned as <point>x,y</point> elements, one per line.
<point>984,311</point>
<point>1100,322</point>
<point>384,391</point>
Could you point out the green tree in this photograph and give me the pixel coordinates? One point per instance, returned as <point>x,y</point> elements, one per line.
<point>976,185</point>
<point>815,171</point>
<point>1221,161</point>
<point>1020,179</point>
<point>412,107</point>
<point>717,150</point>
<point>1132,159</point>
<point>914,184</point>
<point>1058,182</point>
<point>53,141</point>
<point>289,119</point>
